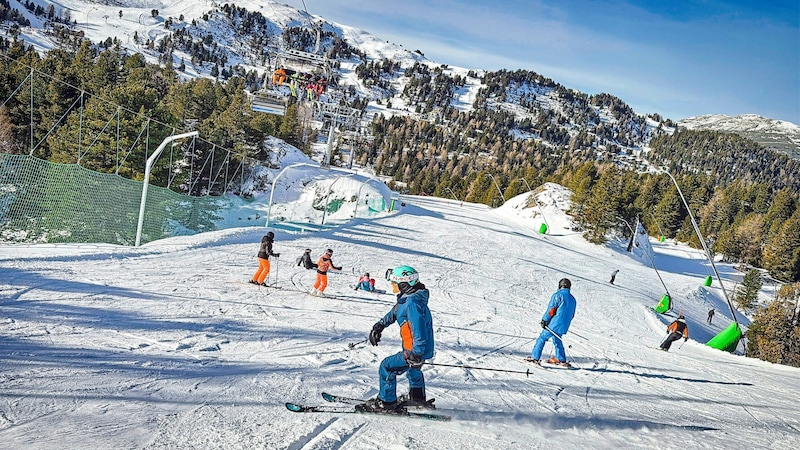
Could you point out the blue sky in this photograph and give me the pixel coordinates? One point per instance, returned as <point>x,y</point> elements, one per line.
<point>678,59</point>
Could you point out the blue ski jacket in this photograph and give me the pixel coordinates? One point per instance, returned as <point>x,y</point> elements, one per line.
<point>416,325</point>
<point>560,311</point>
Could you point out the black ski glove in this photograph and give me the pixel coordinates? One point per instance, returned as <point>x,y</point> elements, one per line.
<point>685,339</point>
<point>413,360</point>
<point>544,324</point>
<point>375,334</point>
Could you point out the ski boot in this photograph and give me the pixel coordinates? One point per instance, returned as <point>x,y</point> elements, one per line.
<point>416,399</point>
<point>531,360</point>
<point>556,362</point>
<point>376,405</point>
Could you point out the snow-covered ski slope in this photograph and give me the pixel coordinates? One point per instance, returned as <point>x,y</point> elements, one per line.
<point>167,346</point>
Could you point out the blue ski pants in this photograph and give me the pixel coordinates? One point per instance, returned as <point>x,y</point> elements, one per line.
<point>546,335</point>
<point>390,368</point>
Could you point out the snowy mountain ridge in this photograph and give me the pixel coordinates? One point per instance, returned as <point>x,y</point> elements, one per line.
<point>133,23</point>
<point>778,135</point>
<point>545,112</point>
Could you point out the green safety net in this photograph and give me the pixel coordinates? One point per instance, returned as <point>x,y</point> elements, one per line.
<point>376,204</point>
<point>334,205</point>
<point>728,339</point>
<point>664,305</point>
<point>41,201</point>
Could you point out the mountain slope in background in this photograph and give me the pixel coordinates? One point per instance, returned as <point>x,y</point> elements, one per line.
<point>545,111</point>
<point>777,135</point>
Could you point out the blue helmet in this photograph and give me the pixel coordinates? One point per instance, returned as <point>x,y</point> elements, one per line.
<point>403,274</point>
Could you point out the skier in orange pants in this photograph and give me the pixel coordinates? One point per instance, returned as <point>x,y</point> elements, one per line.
<point>324,264</point>
<point>264,252</point>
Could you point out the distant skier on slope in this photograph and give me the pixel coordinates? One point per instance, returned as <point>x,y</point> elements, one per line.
<point>324,264</point>
<point>416,330</point>
<point>264,252</point>
<point>614,276</point>
<point>676,329</point>
<point>305,260</point>
<point>555,323</point>
<point>710,315</point>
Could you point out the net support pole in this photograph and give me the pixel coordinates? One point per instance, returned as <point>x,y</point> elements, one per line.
<point>705,247</point>
<point>148,168</point>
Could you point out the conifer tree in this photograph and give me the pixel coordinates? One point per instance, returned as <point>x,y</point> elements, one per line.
<point>782,251</point>
<point>774,334</point>
<point>6,133</point>
<point>747,292</point>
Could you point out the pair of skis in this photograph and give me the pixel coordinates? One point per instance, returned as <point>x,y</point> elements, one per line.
<point>348,405</point>
<point>374,291</point>
<point>547,364</point>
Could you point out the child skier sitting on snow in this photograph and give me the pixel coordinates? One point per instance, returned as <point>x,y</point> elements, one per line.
<point>365,283</point>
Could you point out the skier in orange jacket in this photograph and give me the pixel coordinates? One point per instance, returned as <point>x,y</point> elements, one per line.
<point>279,76</point>
<point>324,264</point>
<point>676,329</point>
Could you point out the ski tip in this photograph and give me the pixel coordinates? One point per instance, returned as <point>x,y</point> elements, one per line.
<point>327,397</point>
<point>436,417</point>
<point>294,407</point>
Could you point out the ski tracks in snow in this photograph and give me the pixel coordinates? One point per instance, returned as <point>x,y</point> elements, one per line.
<point>330,435</point>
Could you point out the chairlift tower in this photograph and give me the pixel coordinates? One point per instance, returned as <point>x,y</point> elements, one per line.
<point>353,139</point>
<point>335,115</point>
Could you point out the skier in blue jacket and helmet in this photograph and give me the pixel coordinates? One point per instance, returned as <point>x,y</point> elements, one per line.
<point>416,330</point>
<point>555,323</point>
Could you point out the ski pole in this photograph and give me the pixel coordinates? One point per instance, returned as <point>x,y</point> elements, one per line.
<point>353,345</point>
<point>461,366</point>
<point>277,266</point>
<point>578,335</point>
<point>547,327</point>
<point>684,341</point>
<point>559,337</point>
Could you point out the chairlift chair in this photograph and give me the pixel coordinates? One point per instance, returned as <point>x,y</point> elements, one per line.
<point>270,102</point>
<point>304,62</point>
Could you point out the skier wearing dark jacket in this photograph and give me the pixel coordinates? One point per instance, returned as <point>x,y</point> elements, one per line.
<point>676,329</point>
<point>305,260</point>
<point>264,252</point>
<point>416,330</point>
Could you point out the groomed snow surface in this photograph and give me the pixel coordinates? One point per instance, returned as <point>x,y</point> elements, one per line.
<point>167,346</point>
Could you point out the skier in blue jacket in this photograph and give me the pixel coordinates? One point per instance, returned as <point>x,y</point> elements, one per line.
<point>555,323</point>
<point>416,330</point>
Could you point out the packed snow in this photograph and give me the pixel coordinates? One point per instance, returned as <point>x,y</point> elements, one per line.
<point>167,345</point>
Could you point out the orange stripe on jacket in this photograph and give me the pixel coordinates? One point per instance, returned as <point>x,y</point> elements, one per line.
<point>673,328</point>
<point>407,336</point>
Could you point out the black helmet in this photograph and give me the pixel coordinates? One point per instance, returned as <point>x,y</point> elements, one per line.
<point>329,251</point>
<point>366,274</point>
<point>270,235</point>
<point>308,250</point>
<point>564,283</point>
<point>681,317</point>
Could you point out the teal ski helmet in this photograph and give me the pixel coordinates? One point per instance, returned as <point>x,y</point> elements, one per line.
<point>403,274</point>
